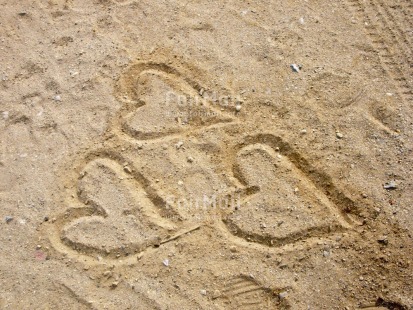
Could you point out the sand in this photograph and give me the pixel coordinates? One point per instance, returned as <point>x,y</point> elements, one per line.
<point>206,154</point>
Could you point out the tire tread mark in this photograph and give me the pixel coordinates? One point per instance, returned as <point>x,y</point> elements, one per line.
<point>387,59</point>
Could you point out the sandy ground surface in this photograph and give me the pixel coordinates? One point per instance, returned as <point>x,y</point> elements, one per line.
<point>165,154</point>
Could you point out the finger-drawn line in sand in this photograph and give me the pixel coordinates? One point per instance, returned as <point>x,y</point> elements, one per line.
<point>96,222</point>
<point>384,39</point>
<point>160,102</point>
<point>115,228</point>
<point>294,201</point>
<point>77,297</point>
<point>244,292</point>
<point>116,213</point>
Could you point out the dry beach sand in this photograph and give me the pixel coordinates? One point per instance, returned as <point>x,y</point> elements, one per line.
<point>206,154</point>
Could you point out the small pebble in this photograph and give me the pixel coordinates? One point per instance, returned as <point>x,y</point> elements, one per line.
<point>238,107</point>
<point>383,240</point>
<point>57,98</point>
<point>190,159</point>
<point>339,135</point>
<point>179,144</point>
<point>295,67</point>
<point>282,295</point>
<point>8,219</point>
<point>326,253</point>
<point>203,292</point>
<point>166,262</point>
<point>216,294</point>
<point>5,114</point>
<point>233,249</point>
<point>390,185</point>
<point>114,284</point>
<point>180,183</point>
<point>140,146</point>
<point>127,169</point>
<point>303,132</point>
